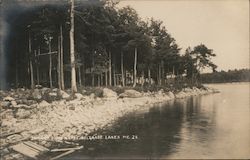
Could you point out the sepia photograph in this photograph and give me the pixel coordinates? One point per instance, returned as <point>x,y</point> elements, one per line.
<point>124,79</point>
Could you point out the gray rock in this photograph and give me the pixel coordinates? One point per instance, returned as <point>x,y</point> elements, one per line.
<point>22,113</point>
<point>43,104</point>
<point>78,95</point>
<point>171,95</point>
<point>64,94</point>
<point>5,104</point>
<point>108,93</point>
<point>13,103</point>
<point>92,96</point>
<point>130,93</point>
<point>36,94</point>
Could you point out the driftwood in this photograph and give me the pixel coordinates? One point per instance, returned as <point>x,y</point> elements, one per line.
<point>29,149</point>
<point>63,154</point>
<point>34,150</point>
<point>66,149</point>
<point>10,133</point>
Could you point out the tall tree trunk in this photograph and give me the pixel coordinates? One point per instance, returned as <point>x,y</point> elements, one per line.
<point>110,69</point>
<point>143,78</point>
<point>149,76</point>
<point>50,65</point>
<point>72,50</point>
<point>122,70</point>
<point>61,56</point>
<point>114,76</point>
<point>32,85</point>
<point>92,73</point>
<point>135,67</point>
<point>106,78</point>
<point>163,73</point>
<point>101,76</point>
<point>98,80</point>
<point>80,76</point>
<point>37,66</point>
<point>59,63</point>
<point>159,77</point>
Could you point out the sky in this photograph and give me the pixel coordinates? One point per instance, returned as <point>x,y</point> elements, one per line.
<point>222,25</point>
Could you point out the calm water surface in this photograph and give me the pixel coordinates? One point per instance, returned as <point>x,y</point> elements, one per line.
<point>209,126</point>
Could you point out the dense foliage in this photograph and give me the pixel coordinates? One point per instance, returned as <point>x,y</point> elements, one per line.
<point>242,75</point>
<point>112,46</point>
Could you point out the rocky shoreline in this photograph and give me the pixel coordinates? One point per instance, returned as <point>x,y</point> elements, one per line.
<point>70,118</point>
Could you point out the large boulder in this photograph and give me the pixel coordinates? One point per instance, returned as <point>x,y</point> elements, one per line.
<point>130,93</point>
<point>108,93</point>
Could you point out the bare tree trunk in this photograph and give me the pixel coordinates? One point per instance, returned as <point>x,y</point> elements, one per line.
<point>143,78</point>
<point>80,76</point>
<point>106,78</point>
<point>159,79</point>
<point>92,74</point>
<point>98,80</point>
<point>59,63</point>
<point>61,56</point>
<point>37,66</point>
<point>110,69</point>
<point>50,65</point>
<point>135,67</point>
<point>122,70</point>
<point>149,75</point>
<point>114,76</point>
<point>163,73</point>
<point>72,50</point>
<point>101,76</point>
<point>30,65</point>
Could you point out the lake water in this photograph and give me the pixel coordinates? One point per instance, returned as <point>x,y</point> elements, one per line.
<point>208,126</point>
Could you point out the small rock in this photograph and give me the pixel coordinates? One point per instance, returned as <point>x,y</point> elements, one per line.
<point>92,96</point>
<point>22,113</point>
<point>71,107</point>
<point>108,93</point>
<point>43,104</point>
<point>78,95</point>
<point>171,95</point>
<point>64,94</point>
<point>130,93</point>
<point>13,103</point>
<point>52,94</point>
<point>36,94</point>
<point>5,104</point>
<point>8,98</point>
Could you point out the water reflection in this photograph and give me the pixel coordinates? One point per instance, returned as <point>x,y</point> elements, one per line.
<point>211,126</point>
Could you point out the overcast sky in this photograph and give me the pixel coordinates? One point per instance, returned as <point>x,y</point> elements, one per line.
<point>222,25</point>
